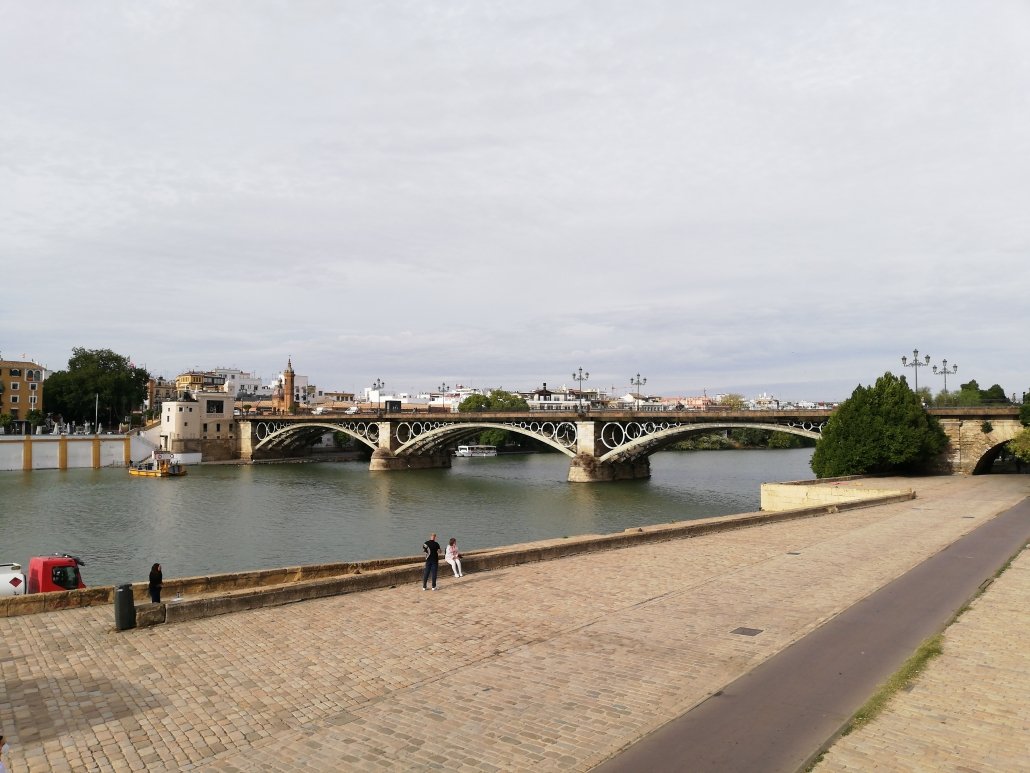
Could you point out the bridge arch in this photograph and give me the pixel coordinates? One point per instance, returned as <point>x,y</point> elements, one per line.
<point>647,444</point>
<point>976,439</point>
<point>438,438</point>
<point>275,436</point>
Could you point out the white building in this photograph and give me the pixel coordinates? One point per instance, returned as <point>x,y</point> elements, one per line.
<point>238,382</point>
<point>202,423</point>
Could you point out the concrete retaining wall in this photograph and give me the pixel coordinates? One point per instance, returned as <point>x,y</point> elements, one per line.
<point>817,493</point>
<point>64,452</point>
<point>219,594</point>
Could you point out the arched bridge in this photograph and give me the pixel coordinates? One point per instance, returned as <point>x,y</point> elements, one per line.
<point>601,446</point>
<point>606,445</point>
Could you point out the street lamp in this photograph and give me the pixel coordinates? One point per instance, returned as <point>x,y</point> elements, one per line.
<point>639,382</point>
<point>580,376</point>
<point>945,372</point>
<point>915,364</point>
<point>443,395</point>
<point>378,385</point>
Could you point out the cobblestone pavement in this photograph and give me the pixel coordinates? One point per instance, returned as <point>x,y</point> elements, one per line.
<point>970,709</point>
<point>546,666</point>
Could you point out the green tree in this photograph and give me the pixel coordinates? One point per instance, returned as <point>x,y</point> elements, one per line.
<point>969,394</point>
<point>732,401</point>
<point>789,440</point>
<point>1024,414</point>
<point>1020,445</point>
<point>501,400</point>
<point>749,437</point>
<point>474,403</point>
<point>497,400</point>
<point>493,437</point>
<point>883,428</point>
<point>994,395</point>
<point>5,421</point>
<point>34,418</point>
<point>96,381</point>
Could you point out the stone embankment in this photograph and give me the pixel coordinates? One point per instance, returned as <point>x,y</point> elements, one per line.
<point>548,666</point>
<point>191,598</point>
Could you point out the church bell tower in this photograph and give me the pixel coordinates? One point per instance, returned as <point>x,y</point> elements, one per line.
<point>289,399</point>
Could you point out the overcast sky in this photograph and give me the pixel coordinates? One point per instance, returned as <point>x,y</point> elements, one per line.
<point>725,196</point>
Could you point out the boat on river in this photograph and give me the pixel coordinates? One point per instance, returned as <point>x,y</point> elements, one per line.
<point>160,464</point>
<point>472,450</point>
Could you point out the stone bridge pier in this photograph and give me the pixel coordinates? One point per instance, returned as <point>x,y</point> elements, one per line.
<point>385,456</point>
<point>587,466</point>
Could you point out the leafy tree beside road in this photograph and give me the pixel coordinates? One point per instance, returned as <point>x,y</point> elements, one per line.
<point>1019,446</point>
<point>97,380</point>
<point>883,428</point>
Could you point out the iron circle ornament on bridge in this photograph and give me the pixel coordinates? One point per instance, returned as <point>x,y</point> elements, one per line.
<point>366,429</point>
<point>809,426</point>
<point>409,430</point>
<point>563,433</point>
<point>264,429</point>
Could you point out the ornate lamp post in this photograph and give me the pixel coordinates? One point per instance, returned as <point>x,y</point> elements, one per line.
<point>580,376</point>
<point>945,372</point>
<point>378,385</point>
<point>639,382</point>
<point>443,395</point>
<point>915,365</point>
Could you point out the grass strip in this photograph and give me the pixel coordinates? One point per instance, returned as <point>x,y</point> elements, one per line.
<point>911,668</point>
<point>899,680</point>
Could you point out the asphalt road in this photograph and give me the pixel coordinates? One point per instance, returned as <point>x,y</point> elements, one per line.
<point>780,716</point>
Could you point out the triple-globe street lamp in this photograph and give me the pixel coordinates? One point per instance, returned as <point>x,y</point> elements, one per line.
<point>945,372</point>
<point>639,382</point>
<point>915,365</point>
<point>580,376</point>
<point>378,385</point>
<point>443,395</point>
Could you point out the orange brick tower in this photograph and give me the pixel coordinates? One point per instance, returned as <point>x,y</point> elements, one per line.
<point>289,399</point>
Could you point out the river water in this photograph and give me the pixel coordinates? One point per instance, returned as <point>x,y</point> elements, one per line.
<point>223,518</point>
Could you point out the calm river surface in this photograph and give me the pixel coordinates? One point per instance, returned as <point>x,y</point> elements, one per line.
<point>224,518</point>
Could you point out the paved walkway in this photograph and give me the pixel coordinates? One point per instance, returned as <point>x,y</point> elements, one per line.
<point>549,666</point>
<point>970,709</point>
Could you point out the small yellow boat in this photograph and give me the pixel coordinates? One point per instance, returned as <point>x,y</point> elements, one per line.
<point>161,464</point>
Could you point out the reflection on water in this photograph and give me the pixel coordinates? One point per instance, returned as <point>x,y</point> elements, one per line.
<point>230,518</point>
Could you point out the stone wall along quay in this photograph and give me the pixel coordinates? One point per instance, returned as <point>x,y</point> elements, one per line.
<point>204,596</point>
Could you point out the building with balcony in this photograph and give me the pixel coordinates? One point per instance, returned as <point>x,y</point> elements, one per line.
<point>21,391</point>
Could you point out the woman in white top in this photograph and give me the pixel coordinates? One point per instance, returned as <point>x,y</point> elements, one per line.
<point>453,557</point>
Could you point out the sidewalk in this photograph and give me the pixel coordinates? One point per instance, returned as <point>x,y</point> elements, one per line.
<point>970,709</point>
<point>547,666</point>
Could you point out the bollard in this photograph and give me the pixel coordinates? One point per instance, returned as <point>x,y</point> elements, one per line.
<point>124,608</point>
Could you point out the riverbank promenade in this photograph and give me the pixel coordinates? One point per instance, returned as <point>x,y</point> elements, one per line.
<point>545,666</point>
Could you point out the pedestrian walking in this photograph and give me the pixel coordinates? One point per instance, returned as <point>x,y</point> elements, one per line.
<point>432,550</point>
<point>453,557</point>
<point>156,581</point>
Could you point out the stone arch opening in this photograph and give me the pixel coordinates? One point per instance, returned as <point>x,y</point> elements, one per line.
<point>987,464</point>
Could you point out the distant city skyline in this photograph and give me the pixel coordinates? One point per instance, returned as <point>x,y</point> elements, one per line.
<point>933,381</point>
<point>740,197</point>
